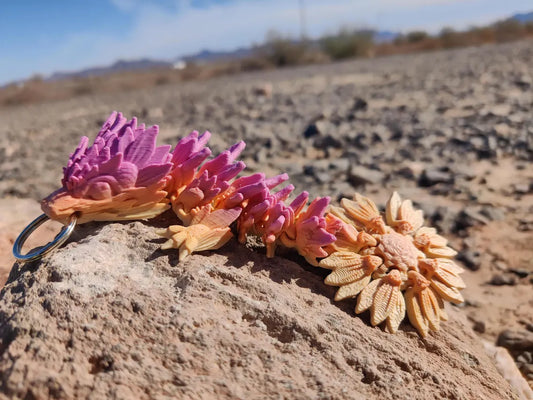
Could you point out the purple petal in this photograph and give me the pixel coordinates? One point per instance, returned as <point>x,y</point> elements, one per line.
<point>196,160</point>
<point>275,181</point>
<point>80,150</point>
<point>284,193</point>
<point>236,149</point>
<point>152,174</point>
<point>161,155</point>
<point>126,175</point>
<point>202,140</point>
<point>248,180</point>
<point>231,171</point>
<point>120,145</point>
<point>111,166</point>
<point>318,206</point>
<point>215,165</point>
<point>142,148</point>
<point>299,201</point>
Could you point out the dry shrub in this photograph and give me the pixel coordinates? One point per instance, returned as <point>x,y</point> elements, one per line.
<point>348,43</point>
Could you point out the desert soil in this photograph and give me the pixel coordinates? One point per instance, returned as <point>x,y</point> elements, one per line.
<point>452,130</point>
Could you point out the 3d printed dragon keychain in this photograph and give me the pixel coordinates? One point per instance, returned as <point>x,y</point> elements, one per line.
<point>389,261</point>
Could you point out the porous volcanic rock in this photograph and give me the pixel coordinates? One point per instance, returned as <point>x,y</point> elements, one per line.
<point>112,316</point>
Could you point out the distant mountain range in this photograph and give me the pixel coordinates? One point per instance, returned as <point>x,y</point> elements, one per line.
<point>119,66</point>
<point>207,56</point>
<point>524,18</point>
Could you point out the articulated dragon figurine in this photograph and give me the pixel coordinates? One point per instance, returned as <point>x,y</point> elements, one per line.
<point>391,262</point>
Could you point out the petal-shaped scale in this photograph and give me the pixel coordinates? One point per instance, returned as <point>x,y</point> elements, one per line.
<point>141,150</point>
<point>352,289</point>
<point>299,202</point>
<point>342,276</point>
<point>124,141</point>
<point>209,232</point>
<point>387,297</point>
<point>341,259</point>
<point>442,270</point>
<point>340,213</point>
<point>426,237</point>
<point>442,311</point>
<point>450,266</point>
<point>430,307</point>
<point>392,207</point>
<point>152,174</point>
<point>437,252</point>
<point>412,219</point>
<point>382,304</point>
<point>366,297</point>
<point>271,183</point>
<point>449,278</point>
<point>397,314</point>
<point>221,218</point>
<point>161,155</point>
<point>212,239</point>
<point>450,294</point>
<point>111,166</point>
<point>348,238</point>
<point>195,238</point>
<point>414,312</point>
<point>364,211</point>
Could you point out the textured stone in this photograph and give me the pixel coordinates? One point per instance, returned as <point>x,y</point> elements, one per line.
<point>110,315</point>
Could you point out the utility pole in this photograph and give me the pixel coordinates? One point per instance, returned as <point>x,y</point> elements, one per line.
<point>303,33</point>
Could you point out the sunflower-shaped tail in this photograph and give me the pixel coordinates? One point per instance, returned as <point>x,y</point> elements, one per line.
<point>392,263</point>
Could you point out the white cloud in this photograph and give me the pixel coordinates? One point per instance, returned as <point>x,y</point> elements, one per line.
<point>160,32</point>
<point>178,28</point>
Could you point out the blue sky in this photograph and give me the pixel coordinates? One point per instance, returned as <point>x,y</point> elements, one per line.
<point>63,35</point>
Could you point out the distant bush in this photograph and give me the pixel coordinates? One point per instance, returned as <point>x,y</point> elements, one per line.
<point>450,38</point>
<point>508,29</point>
<point>416,36</point>
<point>348,43</point>
<point>254,64</point>
<point>281,51</point>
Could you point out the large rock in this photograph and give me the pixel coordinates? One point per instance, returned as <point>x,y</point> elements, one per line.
<point>111,316</point>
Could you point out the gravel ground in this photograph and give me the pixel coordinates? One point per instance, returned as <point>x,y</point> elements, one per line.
<point>453,130</point>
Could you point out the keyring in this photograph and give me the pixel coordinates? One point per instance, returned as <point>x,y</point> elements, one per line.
<point>58,240</point>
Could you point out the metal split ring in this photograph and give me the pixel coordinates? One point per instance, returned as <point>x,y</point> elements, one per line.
<point>58,240</point>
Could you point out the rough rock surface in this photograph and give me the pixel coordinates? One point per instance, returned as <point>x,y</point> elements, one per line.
<point>111,316</point>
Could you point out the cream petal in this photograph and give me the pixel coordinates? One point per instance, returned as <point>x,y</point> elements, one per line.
<point>442,310</point>
<point>397,314</point>
<point>407,213</point>
<point>450,278</point>
<point>341,259</point>
<point>381,307</point>
<point>366,298</point>
<point>430,308</point>
<point>342,276</point>
<point>352,289</point>
<point>447,293</point>
<point>414,313</point>
<point>391,210</point>
<point>438,252</point>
